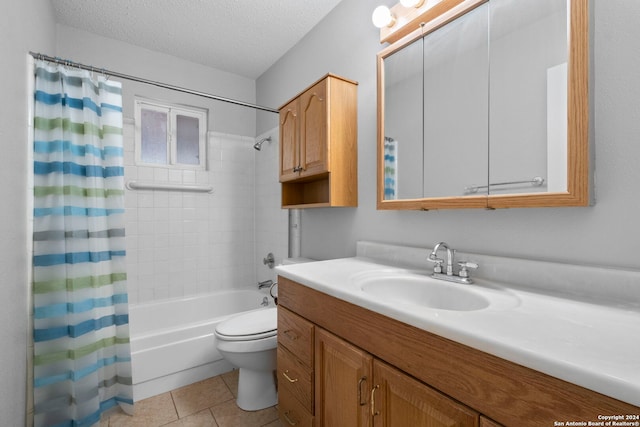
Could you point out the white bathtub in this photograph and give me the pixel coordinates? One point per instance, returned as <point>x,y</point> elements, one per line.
<point>173,342</point>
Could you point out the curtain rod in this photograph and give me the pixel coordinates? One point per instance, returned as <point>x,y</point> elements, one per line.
<point>149,82</point>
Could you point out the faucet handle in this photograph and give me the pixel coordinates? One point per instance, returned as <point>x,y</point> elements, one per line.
<point>464,266</point>
<point>437,268</point>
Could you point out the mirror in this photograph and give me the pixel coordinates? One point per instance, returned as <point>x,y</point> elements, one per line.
<point>486,106</point>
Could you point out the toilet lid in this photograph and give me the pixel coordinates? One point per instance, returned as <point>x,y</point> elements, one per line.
<point>259,323</point>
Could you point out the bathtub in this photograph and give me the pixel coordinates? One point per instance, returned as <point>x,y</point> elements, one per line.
<point>173,342</point>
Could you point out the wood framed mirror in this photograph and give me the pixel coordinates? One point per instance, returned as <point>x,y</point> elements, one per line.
<point>486,105</point>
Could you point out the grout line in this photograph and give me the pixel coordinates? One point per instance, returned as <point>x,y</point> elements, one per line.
<point>175,408</point>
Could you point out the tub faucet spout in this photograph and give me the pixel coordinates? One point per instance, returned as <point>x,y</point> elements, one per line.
<point>265,284</point>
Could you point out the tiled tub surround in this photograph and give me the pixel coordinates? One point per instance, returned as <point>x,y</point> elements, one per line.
<point>184,243</point>
<point>576,323</point>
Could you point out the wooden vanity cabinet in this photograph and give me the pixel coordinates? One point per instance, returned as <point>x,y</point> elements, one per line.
<point>318,145</point>
<point>422,379</point>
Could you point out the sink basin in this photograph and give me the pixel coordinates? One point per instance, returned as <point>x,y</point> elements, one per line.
<point>422,291</point>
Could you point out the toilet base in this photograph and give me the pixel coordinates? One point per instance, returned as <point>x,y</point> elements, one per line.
<point>256,390</point>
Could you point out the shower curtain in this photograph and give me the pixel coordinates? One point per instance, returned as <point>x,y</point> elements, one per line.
<point>82,358</point>
<point>390,168</point>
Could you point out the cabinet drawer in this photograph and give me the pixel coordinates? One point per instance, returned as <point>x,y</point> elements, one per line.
<point>295,377</point>
<point>296,334</point>
<point>291,410</point>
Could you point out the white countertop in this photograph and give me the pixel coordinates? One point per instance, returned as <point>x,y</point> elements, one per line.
<point>585,343</point>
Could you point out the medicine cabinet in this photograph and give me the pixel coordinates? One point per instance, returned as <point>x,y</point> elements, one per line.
<point>486,105</point>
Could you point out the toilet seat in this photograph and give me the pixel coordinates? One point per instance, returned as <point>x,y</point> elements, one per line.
<point>255,325</point>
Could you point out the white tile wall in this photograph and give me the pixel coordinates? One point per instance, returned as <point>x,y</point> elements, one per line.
<point>184,243</point>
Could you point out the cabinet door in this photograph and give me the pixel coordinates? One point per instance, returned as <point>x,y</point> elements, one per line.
<point>400,401</point>
<point>289,136</point>
<point>313,130</point>
<point>343,381</point>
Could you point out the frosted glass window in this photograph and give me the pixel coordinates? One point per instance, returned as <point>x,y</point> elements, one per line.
<point>187,140</point>
<point>153,138</point>
<point>170,136</point>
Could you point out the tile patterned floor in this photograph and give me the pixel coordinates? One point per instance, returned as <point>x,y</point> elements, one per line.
<point>208,403</point>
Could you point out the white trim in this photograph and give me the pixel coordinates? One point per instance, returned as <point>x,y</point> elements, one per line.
<point>172,111</point>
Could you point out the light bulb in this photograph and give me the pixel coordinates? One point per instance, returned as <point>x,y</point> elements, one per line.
<point>382,17</point>
<point>411,3</point>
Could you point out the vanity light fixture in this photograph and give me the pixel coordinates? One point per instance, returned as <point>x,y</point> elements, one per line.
<point>411,3</point>
<point>382,17</point>
<point>408,16</point>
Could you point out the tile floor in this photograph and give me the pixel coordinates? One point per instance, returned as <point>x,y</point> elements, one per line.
<point>208,403</point>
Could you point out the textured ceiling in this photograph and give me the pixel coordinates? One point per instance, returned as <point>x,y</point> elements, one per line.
<point>244,37</point>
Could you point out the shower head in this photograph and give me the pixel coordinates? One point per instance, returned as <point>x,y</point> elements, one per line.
<point>258,145</point>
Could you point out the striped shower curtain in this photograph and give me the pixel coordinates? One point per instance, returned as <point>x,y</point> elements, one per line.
<point>82,358</point>
<point>390,168</point>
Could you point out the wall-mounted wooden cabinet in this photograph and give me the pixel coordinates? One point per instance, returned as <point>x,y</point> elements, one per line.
<point>319,145</point>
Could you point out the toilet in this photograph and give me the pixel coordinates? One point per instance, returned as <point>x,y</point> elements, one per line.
<point>248,341</point>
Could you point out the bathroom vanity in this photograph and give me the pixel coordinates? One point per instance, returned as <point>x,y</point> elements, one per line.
<point>529,357</point>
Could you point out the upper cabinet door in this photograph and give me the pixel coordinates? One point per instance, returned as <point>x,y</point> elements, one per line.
<point>313,130</point>
<point>289,136</point>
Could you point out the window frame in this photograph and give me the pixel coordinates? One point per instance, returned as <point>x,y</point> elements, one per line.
<point>172,111</point>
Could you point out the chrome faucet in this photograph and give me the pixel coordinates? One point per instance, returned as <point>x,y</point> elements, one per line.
<point>463,273</point>
<point>433,256</point>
